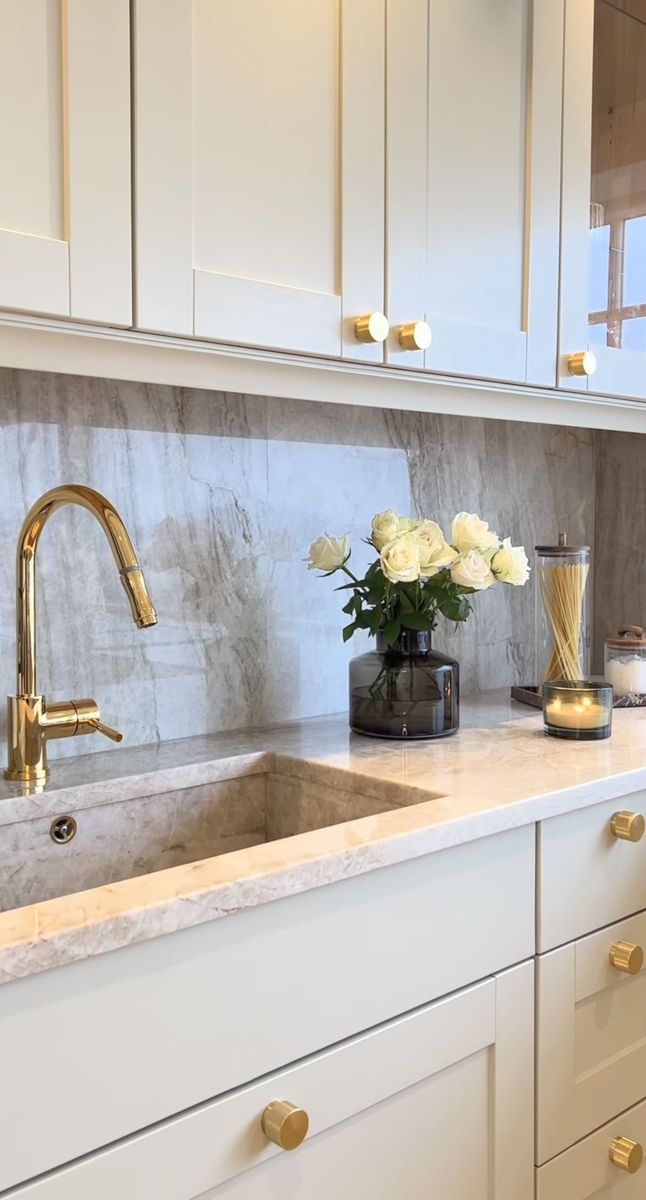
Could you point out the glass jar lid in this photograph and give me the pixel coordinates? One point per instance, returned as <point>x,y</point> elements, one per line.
<point>629,637</point>
<point>562,550</point>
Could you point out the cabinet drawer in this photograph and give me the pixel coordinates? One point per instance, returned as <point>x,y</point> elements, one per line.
<point>586,1172</point>
<point>383,1111</point>
<point>591,1052</point>
<point>588,877</point>
<point>139,1034</point>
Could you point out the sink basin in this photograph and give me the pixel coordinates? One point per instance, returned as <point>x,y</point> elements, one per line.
<point>131,837</point>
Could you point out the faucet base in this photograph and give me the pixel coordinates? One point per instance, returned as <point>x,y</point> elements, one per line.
<point>29,776</point>
<point>31,722</point>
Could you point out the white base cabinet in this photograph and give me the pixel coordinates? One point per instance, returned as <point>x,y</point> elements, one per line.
<point>134,1037</point>
<point>586,1172</point>
<point>591,1048</point>
<point>436,1102</point>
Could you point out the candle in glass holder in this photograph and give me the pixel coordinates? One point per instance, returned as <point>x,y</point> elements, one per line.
<point>580,709</point>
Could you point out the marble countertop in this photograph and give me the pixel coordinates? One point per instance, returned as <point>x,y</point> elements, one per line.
<point>499,772</point>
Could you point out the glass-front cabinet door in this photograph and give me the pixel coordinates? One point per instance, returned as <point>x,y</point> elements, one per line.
<point>603,283</point>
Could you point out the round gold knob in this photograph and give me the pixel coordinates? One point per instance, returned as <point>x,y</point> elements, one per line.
<point>626,1155</point>
<point>373,327</point>
<point>629,826</point>
<point>284,1124</point>
<point>627,958</point>
<point>583,363</point>
<point>415,336</point>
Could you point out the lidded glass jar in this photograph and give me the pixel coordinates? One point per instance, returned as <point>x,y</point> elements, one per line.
<point>563,639</point>
<point>625,662</point>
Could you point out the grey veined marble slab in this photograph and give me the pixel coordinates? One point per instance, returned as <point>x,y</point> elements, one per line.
<point>222,495</point>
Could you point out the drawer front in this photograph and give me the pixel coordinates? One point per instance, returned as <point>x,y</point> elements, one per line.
<point>588,877</point>
<point>139,1034</point>
<point>383,1108</point>
<point>586,1172</point>
<point>591,1048</point>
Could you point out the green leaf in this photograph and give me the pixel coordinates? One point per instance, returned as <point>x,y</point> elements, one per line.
<point>349,630</point>
<point>374,619</point>
<point>455,608</point>
<point>345,587</point>
<point>353,605</point>
<point>416,620</point>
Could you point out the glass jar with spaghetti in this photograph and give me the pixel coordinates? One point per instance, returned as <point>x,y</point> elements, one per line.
<point>563,639</point>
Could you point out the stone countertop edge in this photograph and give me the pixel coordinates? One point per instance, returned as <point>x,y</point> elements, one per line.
<point>499,773</point>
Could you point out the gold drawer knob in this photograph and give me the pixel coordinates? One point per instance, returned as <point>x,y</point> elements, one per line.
<point>629,826</point>
<point>415,336</point>
<point>284,1124</point>
<point>583,363</point>
<point>627,958</point>
<point>373,327</point>
<point>626,1155</point>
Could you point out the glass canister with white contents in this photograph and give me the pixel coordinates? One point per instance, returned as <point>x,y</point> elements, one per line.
<point>625,664</point>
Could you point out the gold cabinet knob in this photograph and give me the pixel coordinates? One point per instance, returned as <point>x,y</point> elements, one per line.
<point>284,1124</point>
<point>626,1155</point>
<point>626,957</point>
<point>373,327</point>
<point>583,363</point>
<point>415,336</point>
<point>629,826</point>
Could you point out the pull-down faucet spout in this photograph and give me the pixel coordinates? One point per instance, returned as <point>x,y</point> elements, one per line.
<point>31,722</point>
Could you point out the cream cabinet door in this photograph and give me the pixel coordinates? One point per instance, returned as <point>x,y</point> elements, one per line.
<point>603,266</point>
<point>587,1171</point>
<point>473,183</point>
<point>65,152</point>
<point>591,1036</point>
<point>259,170</point>
<point>436,1103</point>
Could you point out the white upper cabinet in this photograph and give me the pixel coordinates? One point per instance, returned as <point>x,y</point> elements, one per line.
<point>259,170</point>
<point>65,152</point>
<point>473,114</point>
<point>603,282</point>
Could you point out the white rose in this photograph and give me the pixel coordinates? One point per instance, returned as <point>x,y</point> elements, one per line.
<point>406,525</point>
<point>400,559</point>
<point>434,550</point>
<point>469,532</point>
<point>328,553</point>
<point>471,570</point>
<point>385,527</point>
<point>510,565</point>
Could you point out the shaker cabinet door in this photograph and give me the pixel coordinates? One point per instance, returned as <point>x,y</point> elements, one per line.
<point>436,1103</point>
<point>473,176</point>
<point>603,266</point>
<point>65,152</point>
<point>259,169</point>
<point>591,1034</point>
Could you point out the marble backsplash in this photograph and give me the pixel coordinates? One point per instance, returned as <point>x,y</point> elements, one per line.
<point>620,560</point>
<point>221,495</point>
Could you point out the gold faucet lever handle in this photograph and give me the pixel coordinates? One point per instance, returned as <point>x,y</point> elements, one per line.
<point>106,730</point>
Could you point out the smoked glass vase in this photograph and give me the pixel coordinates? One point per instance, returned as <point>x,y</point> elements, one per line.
<point>407,690</point>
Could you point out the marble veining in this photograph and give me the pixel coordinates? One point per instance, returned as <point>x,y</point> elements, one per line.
<point>222,494</point>
<point>619,560</point>
<point>393,802</point>
<point>127,838</point>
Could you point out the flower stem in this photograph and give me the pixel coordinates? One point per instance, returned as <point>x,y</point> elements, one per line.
<point>350,574</point>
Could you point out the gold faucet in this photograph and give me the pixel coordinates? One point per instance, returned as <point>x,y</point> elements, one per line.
<point>31,721</point>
